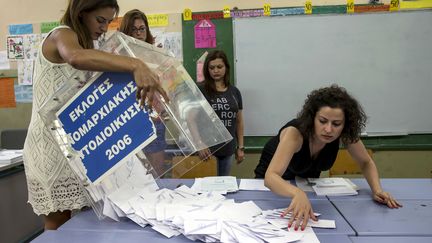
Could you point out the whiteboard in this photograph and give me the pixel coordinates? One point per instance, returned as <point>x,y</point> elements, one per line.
<point>383,59</point>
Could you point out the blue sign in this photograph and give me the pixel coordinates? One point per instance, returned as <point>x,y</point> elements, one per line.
<point>20,29</point>
<point>106,123</point>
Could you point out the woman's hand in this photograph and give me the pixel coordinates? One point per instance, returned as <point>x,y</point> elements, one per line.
<point>386,198</point>
<point>239,155</point>
<point>147,84</point>
<point>301,211</point>
<point>204,154</point>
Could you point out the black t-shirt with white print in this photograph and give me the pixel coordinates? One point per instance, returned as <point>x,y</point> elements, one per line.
<point>226,104</point>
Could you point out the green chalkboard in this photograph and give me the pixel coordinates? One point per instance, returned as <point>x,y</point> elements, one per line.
<point>224,38</point>
<point>408,142</point>
<point>224,41</point>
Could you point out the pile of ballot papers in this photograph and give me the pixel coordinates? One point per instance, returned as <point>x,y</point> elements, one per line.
<point>10,156</point>
<point>206,216</point>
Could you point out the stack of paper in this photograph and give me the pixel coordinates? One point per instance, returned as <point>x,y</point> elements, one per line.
<point>333,186</point>
<point>253,185</point>
<point>10,156</point>
<point>206,217</point>
<point>220,184</point>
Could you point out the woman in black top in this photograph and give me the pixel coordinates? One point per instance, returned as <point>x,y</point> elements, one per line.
<point>226,101</point>
<point>309,144</point>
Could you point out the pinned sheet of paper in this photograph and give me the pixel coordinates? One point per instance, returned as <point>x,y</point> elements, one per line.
<point>7,94</point>
<point>171,41</point>
<point>48,26</point>
<point>4,61</point>
<point>25,72</point>
<point>31,45</point>
<point>15,46</point>
<point>205,34</point>
<point>226,12</point>
<point>308,7</point>
<point>20,29</point>
<point>267,9</point>
<point>200,67</point>
<point>350,6</point>
<point>187,14</point>
<point>158,20</point>
<point>394,5</point>
<point>409,4</point>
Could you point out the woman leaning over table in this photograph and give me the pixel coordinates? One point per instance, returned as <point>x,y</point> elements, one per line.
<point>309,144</point>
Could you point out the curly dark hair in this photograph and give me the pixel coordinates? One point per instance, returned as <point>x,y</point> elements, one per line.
<point>333,96</point>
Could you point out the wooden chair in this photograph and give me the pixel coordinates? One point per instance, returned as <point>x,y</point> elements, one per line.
<point>345,165</point>
<point>190,167</point>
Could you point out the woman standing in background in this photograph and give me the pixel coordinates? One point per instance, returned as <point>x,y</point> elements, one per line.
<point>226,101</point>
<point>134,23</point>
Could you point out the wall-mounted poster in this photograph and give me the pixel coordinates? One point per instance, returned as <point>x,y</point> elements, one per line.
<point>15,47</point>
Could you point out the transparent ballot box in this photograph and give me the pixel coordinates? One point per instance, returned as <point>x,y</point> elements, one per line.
<point>112,144</point>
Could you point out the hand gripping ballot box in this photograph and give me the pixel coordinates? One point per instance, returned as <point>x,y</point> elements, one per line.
<point>115,146</point>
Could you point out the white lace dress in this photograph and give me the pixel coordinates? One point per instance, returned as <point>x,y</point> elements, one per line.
<point>52,186</point>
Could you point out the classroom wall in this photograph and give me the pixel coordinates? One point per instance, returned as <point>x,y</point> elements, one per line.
<point>27,11</point>
<point>390,163</point>
<point>34,12</point>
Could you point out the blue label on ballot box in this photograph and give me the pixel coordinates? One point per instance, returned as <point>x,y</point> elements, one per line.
<point>105,123</point>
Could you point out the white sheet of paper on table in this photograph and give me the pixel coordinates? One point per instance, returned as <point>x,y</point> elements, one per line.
<point>253,185</point>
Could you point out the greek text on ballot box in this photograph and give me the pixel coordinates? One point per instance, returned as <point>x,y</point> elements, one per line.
<point>106,124</point>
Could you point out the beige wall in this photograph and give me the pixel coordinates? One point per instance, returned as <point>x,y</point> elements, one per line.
<point>30,11</point>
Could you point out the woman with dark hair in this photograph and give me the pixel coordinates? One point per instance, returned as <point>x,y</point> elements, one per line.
<point>309,144</point>
<point>53,188</point>
<point>226,100</point>
<point>135,24</point>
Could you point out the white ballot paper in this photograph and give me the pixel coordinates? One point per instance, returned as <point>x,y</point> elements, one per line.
<point>332,186</point>
<point>222,184</point>
<point>252,185</point>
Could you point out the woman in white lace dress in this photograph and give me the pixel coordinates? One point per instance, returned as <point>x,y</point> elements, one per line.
<point>53,189</point>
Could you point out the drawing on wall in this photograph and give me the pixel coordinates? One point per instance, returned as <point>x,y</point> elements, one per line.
<point>31,45</point>
<point>23,93</point>
<point>205,34</point>
<point>15,48</point>
<point>25,72</point>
